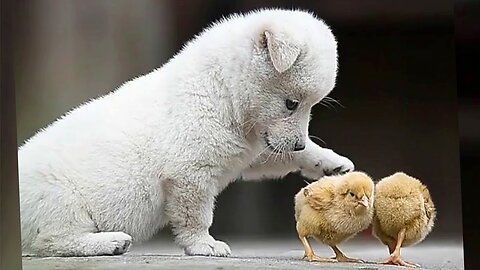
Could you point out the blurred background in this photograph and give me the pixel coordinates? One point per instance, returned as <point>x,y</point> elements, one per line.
<point>467,37</point>
<point>396,83</point>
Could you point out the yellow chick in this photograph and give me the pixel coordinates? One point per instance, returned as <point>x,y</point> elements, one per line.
<point>332,210</point>
<point>404,214</point>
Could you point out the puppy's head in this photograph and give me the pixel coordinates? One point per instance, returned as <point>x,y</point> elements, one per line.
<point>294,66</point>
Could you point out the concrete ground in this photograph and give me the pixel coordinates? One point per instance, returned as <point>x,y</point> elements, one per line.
<point>256,254</point>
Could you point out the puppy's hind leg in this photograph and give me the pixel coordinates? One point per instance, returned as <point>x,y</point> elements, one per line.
<point>64,227</point>
<point>86,244</point>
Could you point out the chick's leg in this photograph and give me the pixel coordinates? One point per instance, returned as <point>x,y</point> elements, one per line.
<point>339,256</point>
<point>309,255</point>
<point>395,252</point>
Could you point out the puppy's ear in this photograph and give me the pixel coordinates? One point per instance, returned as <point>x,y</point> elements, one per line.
<point>282,53</point>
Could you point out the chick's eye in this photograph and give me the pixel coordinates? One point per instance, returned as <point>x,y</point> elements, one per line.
<point>291,104</point>
<point>352,194</point>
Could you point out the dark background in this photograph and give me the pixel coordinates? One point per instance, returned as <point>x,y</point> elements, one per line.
<point>396,81</point>
<point>467,36</point>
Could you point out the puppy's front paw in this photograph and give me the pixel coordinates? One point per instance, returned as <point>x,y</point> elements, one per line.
<point>210,247</point>
<point>324,162</point>
<point>342,169</point>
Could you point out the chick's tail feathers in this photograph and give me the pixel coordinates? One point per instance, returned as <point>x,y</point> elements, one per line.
<point>430,210</point>
<point>300,202</point>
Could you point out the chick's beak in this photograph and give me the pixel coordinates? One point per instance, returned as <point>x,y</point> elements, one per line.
<point>364,201</point>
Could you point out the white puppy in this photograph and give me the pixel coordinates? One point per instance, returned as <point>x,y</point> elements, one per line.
<point>234,103</point>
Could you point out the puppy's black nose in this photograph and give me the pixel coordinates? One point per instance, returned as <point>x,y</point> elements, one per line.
<point>299,146</point>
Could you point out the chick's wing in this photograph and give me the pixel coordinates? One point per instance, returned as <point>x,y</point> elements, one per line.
<point>320,195</point>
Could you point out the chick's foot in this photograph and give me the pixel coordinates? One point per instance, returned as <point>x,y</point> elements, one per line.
<point>348,260</point>
<point>340,257</point>
<point>314,258</point>
<point>396,260</point>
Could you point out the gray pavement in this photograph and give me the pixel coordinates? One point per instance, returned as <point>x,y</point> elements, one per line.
<point>256,254</point>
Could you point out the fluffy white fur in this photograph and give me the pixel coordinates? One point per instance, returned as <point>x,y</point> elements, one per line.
<point>160,148</point>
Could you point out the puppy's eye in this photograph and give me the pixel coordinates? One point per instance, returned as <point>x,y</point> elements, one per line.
<point>291,104</point>
<point>352,194</point>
